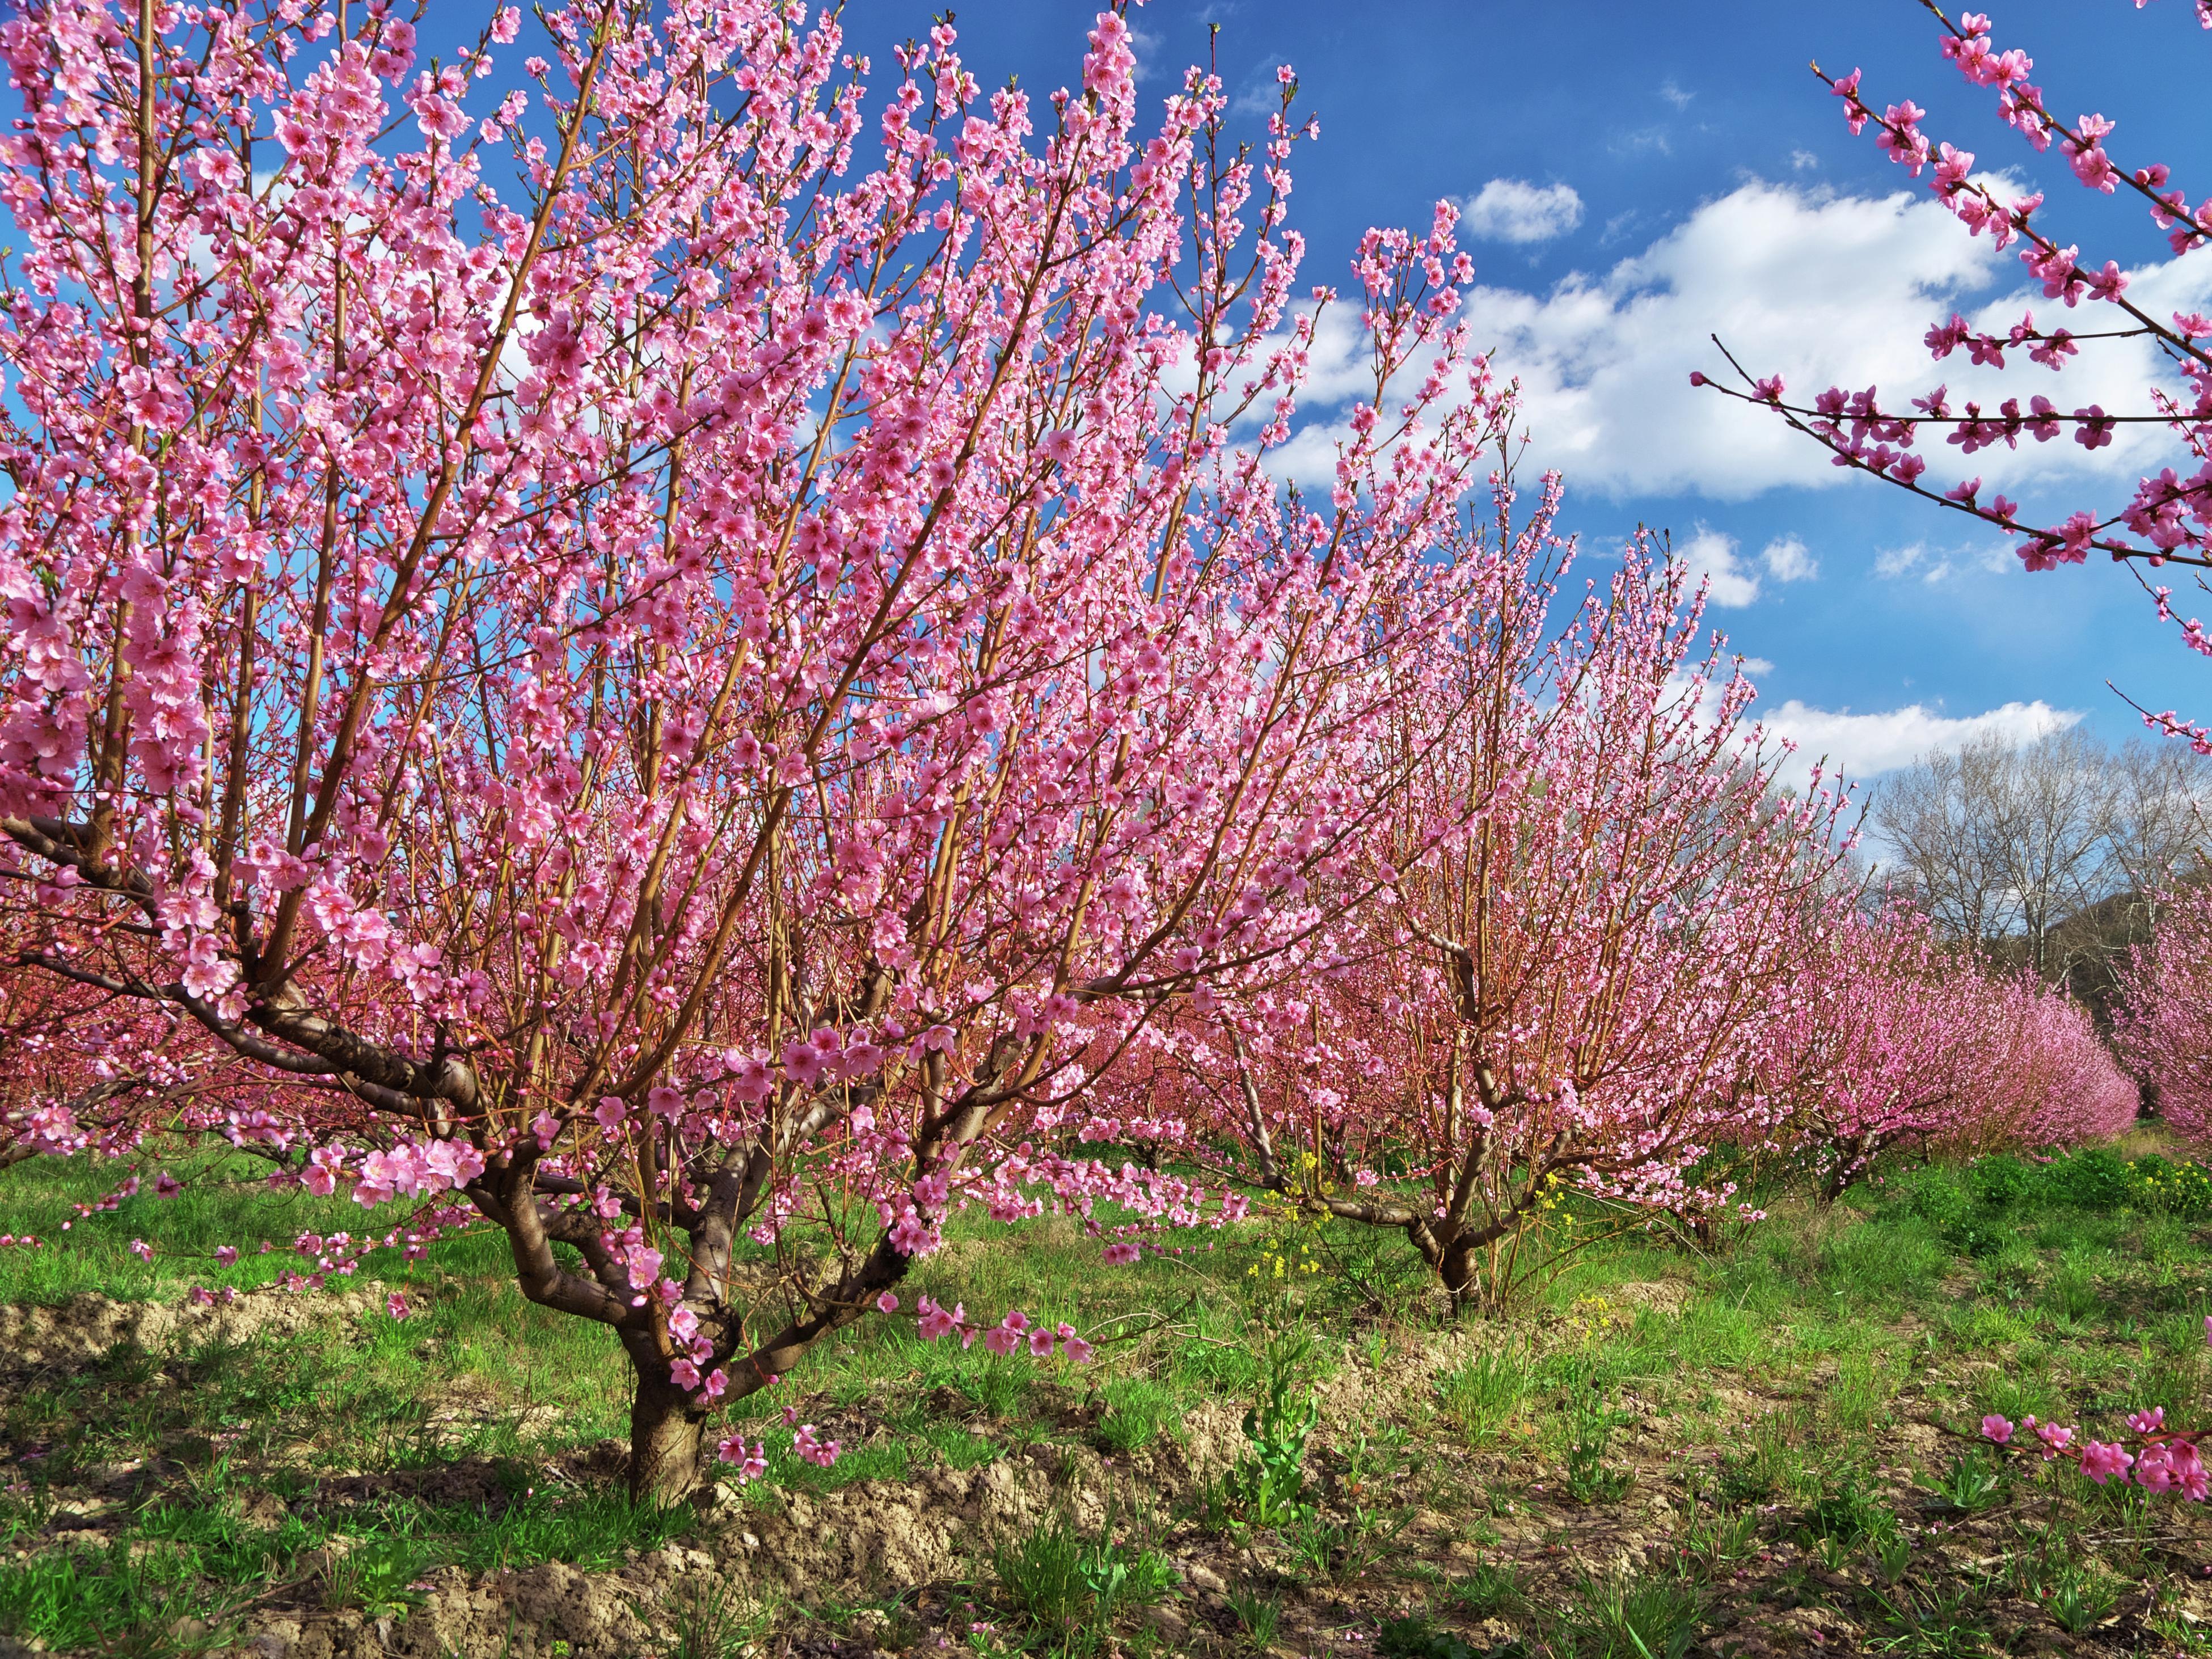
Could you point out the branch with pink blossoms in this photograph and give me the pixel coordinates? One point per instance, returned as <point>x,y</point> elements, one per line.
<point>2156,1458</point>
<point>2169,519</point>
<point>2169,516</point>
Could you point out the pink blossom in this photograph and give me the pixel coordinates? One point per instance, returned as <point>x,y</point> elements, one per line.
<point>396,1305</point>
<point>2101,1461</point>
<point>1996,1428</point>
<point>936,1322</point>
<point>802,1063</point>
<point>750,1462</point>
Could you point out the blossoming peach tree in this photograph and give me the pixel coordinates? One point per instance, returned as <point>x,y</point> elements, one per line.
<point>670,660</point>
<point>2167,519</point>
<point>1569,992</point>
<point>1889,1039</point>
<point>2163,1022</point>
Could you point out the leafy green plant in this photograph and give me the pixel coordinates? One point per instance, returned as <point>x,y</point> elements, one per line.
<point>1334,1550</point>
<point>1928,1622</point>
<point>1974,1482</point>
<point>711,1619</point>
<point>1119,1576</point>
<point>1417,1637</point>
<point>108,1601</point>
<point>1489,1589</point>
<point>1999,1181</point>
<point>1070,1586</point>
<point>1890,1555</point>
<point>1268,1486</point>
<point>1717,1537</point>
<point>2076,1592</point>
<point>378,1575</point>
<point>1480,1394</point>
<point>1849,1515</point>
<point>1259,1615</point>
<point>997,1389</point>
<point>1137,1409</point>
<point>2091,1179</point>
<point>1590,1424</point>
<point>1654,1617</point>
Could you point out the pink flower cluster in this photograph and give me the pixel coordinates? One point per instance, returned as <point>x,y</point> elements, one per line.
<point>2165,1460</point>
<point>698,1348</point>
<point>750,1462</point>
<point>1013,1334</point>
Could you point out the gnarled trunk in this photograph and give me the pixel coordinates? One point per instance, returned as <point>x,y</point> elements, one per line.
<point>1456,1267</point>
<point>666,1427</point>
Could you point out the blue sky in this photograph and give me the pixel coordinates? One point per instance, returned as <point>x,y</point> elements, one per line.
<point>1687,177</point>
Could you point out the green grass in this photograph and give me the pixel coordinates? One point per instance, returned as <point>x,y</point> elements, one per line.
<point>1764,1393</point>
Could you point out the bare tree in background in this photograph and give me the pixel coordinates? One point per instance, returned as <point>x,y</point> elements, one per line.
<point>1939,820</point>
<point>2049,854</point>
<point>2054,817</point>
<point>2161,817</point>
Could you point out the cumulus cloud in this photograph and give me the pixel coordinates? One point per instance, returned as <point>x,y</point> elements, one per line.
<point>1932,565</point>
<point>1827,289</point>
<point>1712,555</point>
<point>1789,559</point>
<point>1863,746</point>
<point>1514,210</point>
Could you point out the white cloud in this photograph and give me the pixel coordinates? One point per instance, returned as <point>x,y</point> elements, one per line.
<point>1827,289</point>
<point>1789,559</point>
<point>1932,565</point>
<point>1712,555</point>
<point>1803,160</point>
<point>1755,667</point>
<point>1674,95</point>
<point>1144,45</point>
<point>1643,139</point>
<point>1894,562</point>
<point>1864,746</point>
<point>1514,210</point>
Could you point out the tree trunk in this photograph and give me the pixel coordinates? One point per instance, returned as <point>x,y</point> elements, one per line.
<point>1852,1160</point>
<point>1456,1265</point>
<point>665,1425</point>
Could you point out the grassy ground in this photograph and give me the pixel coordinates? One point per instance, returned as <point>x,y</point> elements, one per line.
<point>1764,1449</point>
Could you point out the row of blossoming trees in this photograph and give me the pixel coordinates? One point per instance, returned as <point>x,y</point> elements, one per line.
<point>709,675</point>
